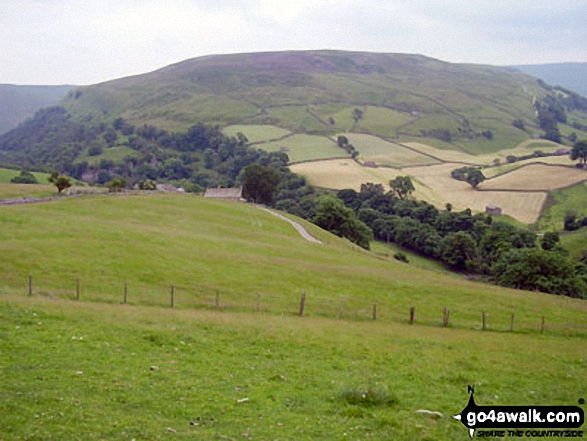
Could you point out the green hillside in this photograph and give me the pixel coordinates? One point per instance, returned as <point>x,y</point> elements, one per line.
<point>96,368</point>
<point>316,92</point>
<point>18,103</point>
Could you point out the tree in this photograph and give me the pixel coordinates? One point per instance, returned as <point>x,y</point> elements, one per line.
<point>60,181</point>
<point>550,240</point>
<point>535,269</point>
<point>475,177</point>
<point>334,216</point>
<point>457,249</point>
<point>260,184</point>
<point>116,185</point>
<point>580,152</point>
<point>402,186</point>
<point>357,114</point>
<point>25,177</point>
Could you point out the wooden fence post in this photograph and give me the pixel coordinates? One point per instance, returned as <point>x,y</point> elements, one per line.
<point>258,301</point>
<point>484,322</point>
<point>77,288</point>
<point>374,311</point>
<point>445,317</point>
<point>512,323</point>
<point>412,314</point>
<point>125,291</point>
<point>217,299</point>
<point>341,310</point>
<point>172,296</point>
<point>542,325</point>
<point>30,284</point>
<point>302,304</point>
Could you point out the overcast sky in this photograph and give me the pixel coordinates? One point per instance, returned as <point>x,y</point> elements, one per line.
<point>89,41</point>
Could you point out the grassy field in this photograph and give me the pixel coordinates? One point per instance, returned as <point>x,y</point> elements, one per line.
<point>302,147</point>
<point>561,201</point>
<point>338,174</point>
<point>7,174</point>
<point>116,154</point>
<point>536,177</point>
<point>372,148</point>
<point>26,190</point>
<point>96,369</point>
<point>382,121</point>
<point>257,133</point>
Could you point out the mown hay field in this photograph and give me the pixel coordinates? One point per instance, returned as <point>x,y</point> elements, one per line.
<point>302,147</point>
<point>536,177</point>
<point>442,188</point>
<point>256,132</point>
<point>338,174</point>
<point>372,148</point>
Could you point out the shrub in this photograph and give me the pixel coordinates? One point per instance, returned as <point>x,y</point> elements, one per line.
<point>25,177</point>
<point>401,257</point>
<point>370,396</point>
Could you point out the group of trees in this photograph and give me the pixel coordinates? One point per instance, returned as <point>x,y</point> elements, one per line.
<point>464,241</point>
<point>472,175</point>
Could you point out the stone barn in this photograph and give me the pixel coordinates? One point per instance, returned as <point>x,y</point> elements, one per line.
<point>225,194</point>
<point>493,210</point>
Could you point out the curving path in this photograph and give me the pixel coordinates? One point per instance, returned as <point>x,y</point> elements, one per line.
<point>297,226</point>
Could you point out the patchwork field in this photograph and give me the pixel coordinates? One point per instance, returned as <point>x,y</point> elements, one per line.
<point>257,133</point>
<point>442,188</point>
<point>26,190</point>
<point>338,174</point>
<point>536,177</point>
<point>372,148</point>
<point>302,147</point>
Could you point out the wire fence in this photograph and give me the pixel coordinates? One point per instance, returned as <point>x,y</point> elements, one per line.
<point>298,302</point>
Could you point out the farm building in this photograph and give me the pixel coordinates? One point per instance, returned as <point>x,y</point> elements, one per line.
<point>493,210</point>
<point>225,194</point>
<point>371,164</point>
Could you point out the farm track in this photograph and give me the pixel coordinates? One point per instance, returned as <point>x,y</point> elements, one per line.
<point>297,226</point>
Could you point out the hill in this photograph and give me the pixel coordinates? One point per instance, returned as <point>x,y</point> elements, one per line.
<point>407,96</point>
<point>250,365</point>
<point>569,75</point>
<point>18,103</point>
<point>406,114</point>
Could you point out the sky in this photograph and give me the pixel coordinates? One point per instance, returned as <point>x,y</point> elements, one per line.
<point>81,42</point>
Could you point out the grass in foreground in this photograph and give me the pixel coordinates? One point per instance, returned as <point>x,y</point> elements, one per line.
<point>85,371</point>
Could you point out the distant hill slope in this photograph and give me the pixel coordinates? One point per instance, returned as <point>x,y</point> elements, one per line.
<point>407,96</point>
<point>569,75</point>
<point>18,103</point>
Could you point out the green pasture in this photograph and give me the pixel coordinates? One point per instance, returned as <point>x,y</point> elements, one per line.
<point>294,118</point>
<point>256,133</point>
<point>94,371</point>
<point>575,242</point>
<point>382,121</point>
<point>249,366</point>
<point>153,242</point>
<point>559,203</point>
<point>7,174</point>
<point>341,113</point>
<point>115,154</point>
<point>303,147</point>
<point>26,190</point>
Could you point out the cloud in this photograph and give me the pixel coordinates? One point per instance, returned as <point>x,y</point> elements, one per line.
<point>72,41</point>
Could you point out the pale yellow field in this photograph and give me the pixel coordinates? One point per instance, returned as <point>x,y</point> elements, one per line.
<point>372,148</point>
<point>524,148</point>
<point>536,177</point>
<point>491,172</point>
<point>338,174</point>
<point>440,188</point>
